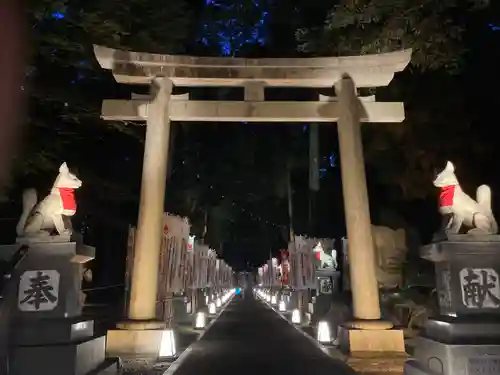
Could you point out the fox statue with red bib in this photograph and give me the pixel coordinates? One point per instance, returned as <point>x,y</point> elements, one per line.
<point>461,210</point>
<point>54,211</point>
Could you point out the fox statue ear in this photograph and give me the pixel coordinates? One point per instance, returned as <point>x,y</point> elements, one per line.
<point>449,166</point>
<point>63,168</point>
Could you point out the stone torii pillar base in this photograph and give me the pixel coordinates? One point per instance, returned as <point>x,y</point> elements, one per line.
<point>375,337</point>
<point>375,363</point>
<point>136,339</point>
<point>372,346</point>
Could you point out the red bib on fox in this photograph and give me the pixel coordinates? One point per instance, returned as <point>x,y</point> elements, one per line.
<point>68,198</point>
<point>446,195</point>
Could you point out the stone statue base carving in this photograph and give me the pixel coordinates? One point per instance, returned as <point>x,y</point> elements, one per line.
<point>465,338</point>
<point>49,335</point>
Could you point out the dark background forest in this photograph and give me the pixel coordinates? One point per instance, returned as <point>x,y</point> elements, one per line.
<point>233,178</point>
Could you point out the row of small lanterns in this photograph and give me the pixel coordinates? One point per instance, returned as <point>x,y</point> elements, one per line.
<point>214,303</point>
<point>323,336</point>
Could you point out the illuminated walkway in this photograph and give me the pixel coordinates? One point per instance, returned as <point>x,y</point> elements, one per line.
<point>250,338</point>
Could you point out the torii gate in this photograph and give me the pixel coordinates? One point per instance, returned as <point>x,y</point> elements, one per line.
<point>346,74</point>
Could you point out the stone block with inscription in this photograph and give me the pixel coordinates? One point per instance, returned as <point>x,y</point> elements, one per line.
<point>48,333</point>
<point>467,274</point>
<point>327,281</point>
<point>49,279</point>
<point>465,337</point>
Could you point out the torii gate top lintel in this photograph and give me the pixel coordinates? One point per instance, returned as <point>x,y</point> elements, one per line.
<point>140,68</point>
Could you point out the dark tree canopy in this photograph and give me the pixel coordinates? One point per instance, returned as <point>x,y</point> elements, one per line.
<point>65,85</point>
<point>434,29</point>
<point>232,179</point>
<point>442,118</point>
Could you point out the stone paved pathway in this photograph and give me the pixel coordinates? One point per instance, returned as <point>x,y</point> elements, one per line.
<point>250,338</point>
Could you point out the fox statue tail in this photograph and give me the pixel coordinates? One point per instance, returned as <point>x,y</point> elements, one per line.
<point>30,199</point>
<point>483,197</point>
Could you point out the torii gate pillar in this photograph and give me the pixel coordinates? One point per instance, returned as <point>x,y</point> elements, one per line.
<point>142,306</point>
<point>367,332</point>
<point>142,334</point>
<point>357,211</point>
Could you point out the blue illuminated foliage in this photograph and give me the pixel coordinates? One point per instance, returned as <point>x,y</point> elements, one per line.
<point>232,26</point>
<point>333,159</point>
<point>58,15</point>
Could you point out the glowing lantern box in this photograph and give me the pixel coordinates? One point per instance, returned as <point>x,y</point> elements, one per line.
<point>296,317</point>
<point>466,336</point>
<point>167,344</point>
<point>324,335</point>
<point>212,309</point>
<point>200,320</point>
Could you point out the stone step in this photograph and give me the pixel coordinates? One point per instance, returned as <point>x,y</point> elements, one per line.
<point>111,366</point>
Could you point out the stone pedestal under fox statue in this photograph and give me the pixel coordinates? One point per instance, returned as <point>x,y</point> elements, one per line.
<point>54,211</point>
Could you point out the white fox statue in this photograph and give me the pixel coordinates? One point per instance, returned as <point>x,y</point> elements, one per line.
<point>462,209</point>
<point>325,260</point>
<point>54,211</point>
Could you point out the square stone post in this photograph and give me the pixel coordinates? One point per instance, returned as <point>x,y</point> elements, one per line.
<point>141,334</point>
